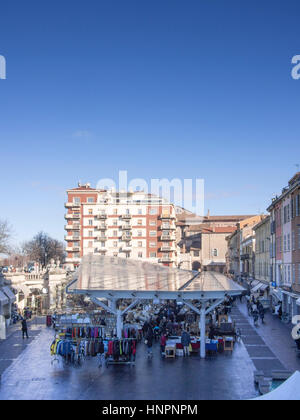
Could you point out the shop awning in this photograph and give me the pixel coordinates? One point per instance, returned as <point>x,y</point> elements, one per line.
<point>9,293</point>
<point>277,293</point>
<point>108,277</point>
<point>256,288</point>
<point>3,298</point>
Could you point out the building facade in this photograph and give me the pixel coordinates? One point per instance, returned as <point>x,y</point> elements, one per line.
<point>262,266</point>
<point>120,224</point>
<point>285,237</point>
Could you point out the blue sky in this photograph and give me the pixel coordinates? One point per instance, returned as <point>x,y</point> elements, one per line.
<point>168,88</point>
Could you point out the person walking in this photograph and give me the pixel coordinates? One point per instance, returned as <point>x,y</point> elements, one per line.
<point>24,328</point>
<point>149,341</point>
<point>101,355</point>
<point>163,342</point>
<point>261,312</point>
<point>255,318</point>
<point>185,341</point>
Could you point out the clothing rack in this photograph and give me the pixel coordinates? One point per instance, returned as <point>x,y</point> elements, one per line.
<point>111,360</point>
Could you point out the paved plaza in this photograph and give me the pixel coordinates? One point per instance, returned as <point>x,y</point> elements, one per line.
<point>27,372</point>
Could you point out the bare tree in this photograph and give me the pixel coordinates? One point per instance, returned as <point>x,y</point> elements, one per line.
<point>5,234</point>
<point>42,248</point>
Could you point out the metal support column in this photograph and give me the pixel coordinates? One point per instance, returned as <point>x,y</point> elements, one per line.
<point>202,332</point>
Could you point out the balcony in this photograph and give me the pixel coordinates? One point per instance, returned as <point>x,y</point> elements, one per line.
<point>72,238</point>
<point>166,248</point>
<point>70,205</point>
<point>126,227</point>
<point>101,216</point>
<point>101,227</point>
<point>72,216</point>
<point>72,248</point>
<point>167,237</point>
<point>126,216</point>
<point>166,216</point>
<point>165,260</point>
<point>126,237</point>
<point>101,238</point>
<point>75,226</point>
<point>167,226</point>
<point>126,248</point>
<point>72,260</point>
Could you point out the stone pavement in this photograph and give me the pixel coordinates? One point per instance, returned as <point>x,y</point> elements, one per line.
<point>14,345</point>
<point>31,376</point>
<point>277,336</point>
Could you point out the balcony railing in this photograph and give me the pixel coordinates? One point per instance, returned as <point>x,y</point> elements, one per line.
<point>72,227</point>
<point>72,238</point>
<point>69,205</point>
<point>165,248</point>
<point>126,216</point>
<point>166,237</point>
<point>72,216</point>
<point>165,260</point>
<point>166,216</point>
<point>101,216</point>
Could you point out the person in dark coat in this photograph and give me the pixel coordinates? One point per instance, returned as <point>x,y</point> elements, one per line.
<point>185,341</point>
<point>149,340</point>
<point>24,328</point>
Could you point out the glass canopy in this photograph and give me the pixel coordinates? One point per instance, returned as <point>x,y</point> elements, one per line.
<point>103,273</point>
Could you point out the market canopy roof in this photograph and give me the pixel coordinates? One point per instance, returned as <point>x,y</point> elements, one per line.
<point>112,277</point>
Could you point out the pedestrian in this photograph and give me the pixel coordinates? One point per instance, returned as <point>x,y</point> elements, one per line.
<point>149,342</point>
<point>24,328</point>
<point>185,341</point>
<point>255,318</point>
<point>101,355</point>
<point>261,314</point>
<point>163,342</point>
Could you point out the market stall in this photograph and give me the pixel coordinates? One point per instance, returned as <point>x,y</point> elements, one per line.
<point>113,279</point>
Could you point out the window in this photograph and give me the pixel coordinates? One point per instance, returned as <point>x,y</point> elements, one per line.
<point>289,242</point>
<point>90,233</point>
<point>152,254</point>
<point>90,200</point>
<point>140,211</point>
<point>115,222</point>
<point>90,211</point>
<point>140,233</point>
<point>214,252</point>
<point>152,222</point>
<point>90,222</point>
<point>115,244</point>
<point>140,255</point>
<point>196,254</point>
<point>102,244</point>
<point>115,211</point>
<point>115,233</point>
<point>140,244</point>
<point>90,244</point>
<point>76,200</point>
<point>139,222</point>
<point>153,211</point>
<point>152,245</point>
<point>152,233</point>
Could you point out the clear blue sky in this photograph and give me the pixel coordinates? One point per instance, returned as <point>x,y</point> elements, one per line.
<point>160,88</point>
